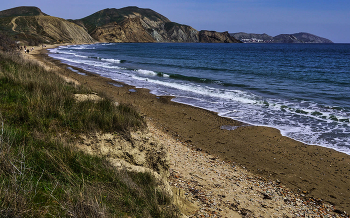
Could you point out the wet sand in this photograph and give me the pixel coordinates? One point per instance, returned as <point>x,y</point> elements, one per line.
<point>311,171</point>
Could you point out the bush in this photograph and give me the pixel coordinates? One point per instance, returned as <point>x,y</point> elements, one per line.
<point>7,44</point>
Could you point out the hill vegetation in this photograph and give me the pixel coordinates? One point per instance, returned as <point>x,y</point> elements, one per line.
<point>22,11</point>
<point>111,15</point>
<point>30,26</point>
<point>41,171</point>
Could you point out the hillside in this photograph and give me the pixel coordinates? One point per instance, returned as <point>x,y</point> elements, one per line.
<point>301,37</point>
<point>30,26</point>
<point>22,11</point>
<point>114,25</point>
<point>133,24</point>
<point>150,18</point>
<point>45,167</point>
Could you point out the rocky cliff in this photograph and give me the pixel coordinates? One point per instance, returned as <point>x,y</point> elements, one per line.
<point>216,37</point>
<point>129,30</point>
<point>174,32</point>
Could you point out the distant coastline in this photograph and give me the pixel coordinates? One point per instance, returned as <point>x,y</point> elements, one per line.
<point>301,37</point>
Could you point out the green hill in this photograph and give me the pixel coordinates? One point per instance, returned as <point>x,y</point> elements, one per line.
<point>31,26</point>
<point>111,15</point>
<point>22,11</point>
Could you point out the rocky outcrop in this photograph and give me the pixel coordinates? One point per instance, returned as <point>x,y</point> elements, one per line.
<point>180,33</point>
<point>216,37</point>
<point>129,30</point>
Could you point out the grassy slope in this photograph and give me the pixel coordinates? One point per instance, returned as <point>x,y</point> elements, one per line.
<point>21,11</point>
<point>42,176</point>
<point>106,16</point>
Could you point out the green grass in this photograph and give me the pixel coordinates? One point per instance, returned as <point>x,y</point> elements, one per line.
<point>41,176</point>
<point>34,99</point>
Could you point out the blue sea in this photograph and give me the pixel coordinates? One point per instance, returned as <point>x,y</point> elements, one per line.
<point>301,89</point>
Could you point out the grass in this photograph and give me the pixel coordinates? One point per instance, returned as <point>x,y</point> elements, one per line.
<point>41,176</point>
<point>35,100</point>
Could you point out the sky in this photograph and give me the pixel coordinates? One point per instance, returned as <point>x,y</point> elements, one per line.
<point>326,18</point>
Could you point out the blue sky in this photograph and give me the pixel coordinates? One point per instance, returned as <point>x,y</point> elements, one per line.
<point>325,18</point>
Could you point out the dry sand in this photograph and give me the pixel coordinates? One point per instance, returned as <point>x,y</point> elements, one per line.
<point>250,171</point>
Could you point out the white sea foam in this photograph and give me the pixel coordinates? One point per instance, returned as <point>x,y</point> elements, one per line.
<point>89,62</point>
<point>110,60</point>
<point>235,95</point>
<point>147,72</point>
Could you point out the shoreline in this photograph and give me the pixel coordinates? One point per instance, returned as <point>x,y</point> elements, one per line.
<point>307,138</point>
<point>313,171</point>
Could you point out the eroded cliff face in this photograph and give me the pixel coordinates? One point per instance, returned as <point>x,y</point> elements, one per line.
<point>129,30</point>
<point>216,37</point>
<point>180,33</point>
<point>64,31</point>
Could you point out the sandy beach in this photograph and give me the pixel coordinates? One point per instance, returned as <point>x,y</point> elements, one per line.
<point>250,171</point>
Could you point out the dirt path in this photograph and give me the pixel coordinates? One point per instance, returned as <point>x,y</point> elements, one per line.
<point>13,22</point>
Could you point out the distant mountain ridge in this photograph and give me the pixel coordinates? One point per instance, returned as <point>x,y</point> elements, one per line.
<point>301,37</point>
<point>130,24</point>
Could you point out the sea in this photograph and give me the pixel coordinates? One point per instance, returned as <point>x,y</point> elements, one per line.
<point>301,89</point>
